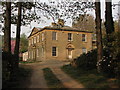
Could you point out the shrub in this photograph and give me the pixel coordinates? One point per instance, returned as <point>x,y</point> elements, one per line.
<point>110,63</point>
<point>86,61</point>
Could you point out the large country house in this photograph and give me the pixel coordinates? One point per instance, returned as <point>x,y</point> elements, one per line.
<point>58,43</point>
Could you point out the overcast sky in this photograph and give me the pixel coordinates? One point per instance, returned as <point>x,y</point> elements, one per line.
<point>28,29</point>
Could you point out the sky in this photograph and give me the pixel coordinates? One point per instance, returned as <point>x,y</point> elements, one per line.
<point>27,29</point>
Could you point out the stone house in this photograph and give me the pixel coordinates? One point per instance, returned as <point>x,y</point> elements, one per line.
<point>58,43</point>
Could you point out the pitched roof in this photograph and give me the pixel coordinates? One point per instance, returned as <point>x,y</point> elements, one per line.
<point>65,28</point>
<point>34,31</point>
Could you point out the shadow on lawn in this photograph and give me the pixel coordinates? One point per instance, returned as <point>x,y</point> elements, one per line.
<point>21,79</point>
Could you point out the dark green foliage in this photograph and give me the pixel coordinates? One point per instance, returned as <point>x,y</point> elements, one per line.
<point>23,43</point>
<point>87,61</point>
<point>110,63</point>
<point>113,45</point>
<point>89,78</point>
<point>19,79</point>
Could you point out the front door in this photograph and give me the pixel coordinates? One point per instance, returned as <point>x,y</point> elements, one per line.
<point>69,54</point>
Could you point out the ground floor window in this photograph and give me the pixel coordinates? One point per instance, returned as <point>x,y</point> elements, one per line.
<point>32,54</point>
<point>84,50</point>
<point>54,51</point>
<point>37,52</point>
<point>42,51</point>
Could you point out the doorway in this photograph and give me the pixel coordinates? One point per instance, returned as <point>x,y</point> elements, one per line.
<point>69,53</point>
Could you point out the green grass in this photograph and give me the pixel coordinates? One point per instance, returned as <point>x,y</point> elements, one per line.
<point>25,62</point>
<point>51,79</point>
<point>90,79</point>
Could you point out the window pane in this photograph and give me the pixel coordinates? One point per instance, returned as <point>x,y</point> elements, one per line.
<point>83,37</point>
<point>54,36</point>
<point>84,50</point>
<point>42,36</point>
<point>38,38</point>
<point>69,36</point>
<point>53,51</point>
<point>34,39</point>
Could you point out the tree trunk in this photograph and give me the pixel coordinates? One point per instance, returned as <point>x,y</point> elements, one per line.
<point>98,32</point>
<point>6,55</point>
<point>16,52</point>
<point>7,36</point>
<point>7,31</point>
<point>109,24</point>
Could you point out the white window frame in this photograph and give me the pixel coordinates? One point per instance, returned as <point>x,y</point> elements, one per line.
<point>42,36</point>
<point>71,38</point>
<point>35,39</point>
<point>42,51</point>
<point>56,52</point>
<point>84,49</point>
<point>54,37</point>
<point>37,52</point>
<point>38,38</point>
<point>32,41</point>
<point>84,38</point>
<point>32,54</point>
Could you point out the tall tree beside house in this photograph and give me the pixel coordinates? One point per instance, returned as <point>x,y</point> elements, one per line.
<point>6,55</point>
<point>16,52</point>
<point>98,32</point>
<point>7,31</point>
<point>109,24</point>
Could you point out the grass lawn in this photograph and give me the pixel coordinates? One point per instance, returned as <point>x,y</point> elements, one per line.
<point>90,79</point>
<point>51,79</point>
<point>25,62</point>
<point>19,80</point>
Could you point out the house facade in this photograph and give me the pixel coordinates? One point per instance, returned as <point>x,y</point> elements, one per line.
<point>25,56</point>
<point>51,43</point>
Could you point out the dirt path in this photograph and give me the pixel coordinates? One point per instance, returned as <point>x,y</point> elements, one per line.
<point>67,81</point>
<point>37,79</point>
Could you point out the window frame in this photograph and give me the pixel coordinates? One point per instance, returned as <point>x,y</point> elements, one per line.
<point>37,52</point>
<point>54,35</point>
<point>55,52</point>
<point>42,36</point>
<point>70,37</point>
<point>83,50</point>
<point>84,39</point>
<point>38,37</point>
<point>34,39</point>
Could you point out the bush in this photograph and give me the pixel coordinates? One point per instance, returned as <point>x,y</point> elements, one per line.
<point>86,61</point>
<point>110,63</point>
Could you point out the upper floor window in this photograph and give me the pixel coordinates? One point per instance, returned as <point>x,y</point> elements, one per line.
<point>37,38</point>
<point>70,37</point>
<point>84,37</point>
<point>29,42</point>
<point>42,36</point>
<point>84,50</point>
<point>54,51</point>
<point>54,35</point>
<point>34,39</point>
